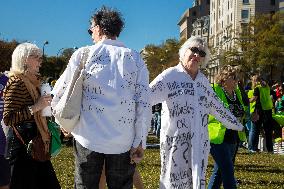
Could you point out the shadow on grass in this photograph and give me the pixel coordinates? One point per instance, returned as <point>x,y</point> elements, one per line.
<point>258,168</point>
<point>262,183</point>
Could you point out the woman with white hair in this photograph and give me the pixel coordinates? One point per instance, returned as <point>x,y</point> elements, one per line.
<point>187,99</point>
<point>22,112</point>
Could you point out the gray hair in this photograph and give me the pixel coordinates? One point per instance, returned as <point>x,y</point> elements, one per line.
<point>192,42</point>
<point>20,55</point>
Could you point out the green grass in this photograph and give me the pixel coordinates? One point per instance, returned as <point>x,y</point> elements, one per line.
<point>259,171</point>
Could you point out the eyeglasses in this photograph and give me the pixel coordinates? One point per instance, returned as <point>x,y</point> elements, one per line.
<point>90,32</point>
<point>198,51</point>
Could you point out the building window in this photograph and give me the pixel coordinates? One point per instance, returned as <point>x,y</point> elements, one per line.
<point>272,2</point>
<point>228,19</point>
<point>193,13</point>
<point>245,1</point>
<point>245,14</point>
<point>198,32</point>
<point>228,5</point>
<point>231,17</point>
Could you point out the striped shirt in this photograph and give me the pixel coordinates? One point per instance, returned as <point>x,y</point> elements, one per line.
<point>16,102</point>
<point>1,107</point>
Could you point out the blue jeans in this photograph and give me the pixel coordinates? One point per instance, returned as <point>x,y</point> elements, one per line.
<point>253,137</point>
<point>223,171</point>
<point>89,164</point>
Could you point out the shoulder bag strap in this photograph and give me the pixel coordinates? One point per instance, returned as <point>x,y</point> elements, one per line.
<point>84,58</point>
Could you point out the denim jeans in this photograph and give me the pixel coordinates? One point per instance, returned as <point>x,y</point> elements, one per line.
<point>253,137</point>
<point>89,164</point>
<point>223,171</point>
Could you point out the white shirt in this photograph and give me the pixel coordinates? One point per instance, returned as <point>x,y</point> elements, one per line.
<point>184,140</point>
<point>115,111</point>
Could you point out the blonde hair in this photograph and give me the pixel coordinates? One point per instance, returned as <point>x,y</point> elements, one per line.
<point>193,42</point>
<point>255,79</point>
<point>225,73</point>
<point>20,55</point>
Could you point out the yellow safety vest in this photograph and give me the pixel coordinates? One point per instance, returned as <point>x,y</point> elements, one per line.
<point>265,99</point>
<point>252,104</point>
<point>215,128</point>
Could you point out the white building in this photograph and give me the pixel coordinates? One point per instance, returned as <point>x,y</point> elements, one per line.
<point>227,18</point>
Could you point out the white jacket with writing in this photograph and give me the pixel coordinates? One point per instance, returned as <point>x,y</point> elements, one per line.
<point>115,110</point>
<point>184,140</point>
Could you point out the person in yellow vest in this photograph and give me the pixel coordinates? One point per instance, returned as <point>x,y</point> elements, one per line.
<point>252,143</point>
<point>263,109</point>
<point>223,141</point>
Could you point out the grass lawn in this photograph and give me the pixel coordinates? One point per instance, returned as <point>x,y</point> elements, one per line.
<point>259,170</point>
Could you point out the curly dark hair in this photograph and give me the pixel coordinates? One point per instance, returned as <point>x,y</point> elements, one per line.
<point>109,20</point>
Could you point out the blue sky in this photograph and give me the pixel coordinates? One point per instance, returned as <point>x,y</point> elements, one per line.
<point>64,23</point>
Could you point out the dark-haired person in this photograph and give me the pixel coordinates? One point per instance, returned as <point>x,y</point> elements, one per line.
<point>4,164</point>
<point>115,109</point>
<point>263,107</point>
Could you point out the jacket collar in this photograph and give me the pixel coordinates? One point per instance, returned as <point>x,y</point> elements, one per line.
<point>111,42</point>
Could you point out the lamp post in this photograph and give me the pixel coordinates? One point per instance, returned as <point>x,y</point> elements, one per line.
<point>45,43</point>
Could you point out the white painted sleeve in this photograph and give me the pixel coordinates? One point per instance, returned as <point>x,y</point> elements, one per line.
<point>158,90</point>
<point>143,107</point>
<point>222,114</point>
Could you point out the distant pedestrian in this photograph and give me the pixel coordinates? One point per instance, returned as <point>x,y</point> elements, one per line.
<point>252,143</point>
<point>263,110</point>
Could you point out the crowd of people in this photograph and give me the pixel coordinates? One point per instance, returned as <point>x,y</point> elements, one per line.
<point>191,117</point>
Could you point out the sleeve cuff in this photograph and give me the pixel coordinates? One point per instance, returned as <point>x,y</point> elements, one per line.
<point>137,142</point>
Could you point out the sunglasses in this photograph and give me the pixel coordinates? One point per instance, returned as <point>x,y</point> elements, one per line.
<point>197,51</point>
<point>90,32</point>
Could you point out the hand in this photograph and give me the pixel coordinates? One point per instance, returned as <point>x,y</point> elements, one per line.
<point>43,102</point>
<point>136,154</point>
<point>65,133</point>
<point>254,116</point>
